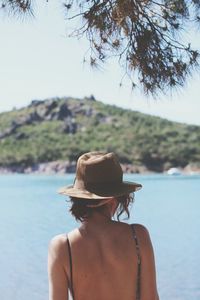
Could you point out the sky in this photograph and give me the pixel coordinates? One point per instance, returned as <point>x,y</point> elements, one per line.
<point>38,60</point>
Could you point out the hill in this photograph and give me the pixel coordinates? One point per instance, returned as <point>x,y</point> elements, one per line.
<point>60,129</point>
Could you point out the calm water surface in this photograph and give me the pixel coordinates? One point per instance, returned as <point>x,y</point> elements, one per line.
<point>31,213</point>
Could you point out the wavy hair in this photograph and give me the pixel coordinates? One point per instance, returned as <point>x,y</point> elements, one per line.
<point>80,210</point>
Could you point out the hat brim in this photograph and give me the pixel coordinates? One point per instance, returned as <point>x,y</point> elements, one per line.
<point>103,193</point>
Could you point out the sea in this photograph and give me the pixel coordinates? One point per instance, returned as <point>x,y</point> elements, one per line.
<point>32,212</point>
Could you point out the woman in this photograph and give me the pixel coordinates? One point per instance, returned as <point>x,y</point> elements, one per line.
<point>103,259</point>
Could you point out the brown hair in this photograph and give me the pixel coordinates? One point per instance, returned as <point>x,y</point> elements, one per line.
<point>81,211</point>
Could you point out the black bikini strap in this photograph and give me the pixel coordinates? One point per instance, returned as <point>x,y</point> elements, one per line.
<point>70,264</point>
<point>139,262</point>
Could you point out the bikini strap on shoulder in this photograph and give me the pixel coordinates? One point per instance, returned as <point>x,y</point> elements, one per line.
<point>139,263</point>
<point>136,244</point>
<point>71,269</point>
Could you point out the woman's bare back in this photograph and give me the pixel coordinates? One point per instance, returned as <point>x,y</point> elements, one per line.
<point>105,262</point>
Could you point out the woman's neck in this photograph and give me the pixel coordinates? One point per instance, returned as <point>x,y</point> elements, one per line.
<point>98,220</point>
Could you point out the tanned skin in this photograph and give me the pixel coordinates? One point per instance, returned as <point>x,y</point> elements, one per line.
<point>104,260</point>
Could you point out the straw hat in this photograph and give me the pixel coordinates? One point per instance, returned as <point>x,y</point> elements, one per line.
<point>99,176</point>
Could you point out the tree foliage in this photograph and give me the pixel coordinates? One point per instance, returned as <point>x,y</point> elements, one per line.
<point>17,7</point>
<point>145,35</point>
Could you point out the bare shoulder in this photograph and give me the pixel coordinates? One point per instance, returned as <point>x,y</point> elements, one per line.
<point>58,241</point>
<point>58,246</point>
<point>141,229</point>
<point>149,290</point>
<point>143,236</point>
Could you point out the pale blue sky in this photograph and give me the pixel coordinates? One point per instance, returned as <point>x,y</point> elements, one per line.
<point>38,61</point>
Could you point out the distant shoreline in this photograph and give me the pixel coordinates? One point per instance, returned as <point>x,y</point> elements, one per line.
<point>66,167</point>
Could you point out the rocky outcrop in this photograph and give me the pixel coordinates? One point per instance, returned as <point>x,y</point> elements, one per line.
<point>7,132</point>
<point>70,126</point>
<point>130,169</point>
<point>21,136</point>
<point>54,167</point>
<point>61,167</point>
<point>192,169</point>
<point>67,167</point>
<point>64,112</point>
<point>36,103</point>
<point>25,120</point>
<point>52,110</point>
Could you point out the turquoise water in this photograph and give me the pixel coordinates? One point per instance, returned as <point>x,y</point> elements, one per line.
<point>32,213</point>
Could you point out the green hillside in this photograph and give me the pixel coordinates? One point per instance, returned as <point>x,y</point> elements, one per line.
<point>62,129</point>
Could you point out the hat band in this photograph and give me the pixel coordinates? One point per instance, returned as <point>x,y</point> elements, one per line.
<point>101,203</point>
<point>80,184</point>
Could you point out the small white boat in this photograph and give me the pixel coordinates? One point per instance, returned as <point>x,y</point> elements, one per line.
<point>174,171</point>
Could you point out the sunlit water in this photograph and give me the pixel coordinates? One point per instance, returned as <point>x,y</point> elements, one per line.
<point>31,213</point>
